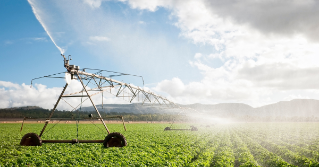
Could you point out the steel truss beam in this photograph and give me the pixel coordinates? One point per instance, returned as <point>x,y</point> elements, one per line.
<point>104,84</point>
<point>124,90</point>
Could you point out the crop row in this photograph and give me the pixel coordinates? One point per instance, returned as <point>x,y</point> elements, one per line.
<point>284,150</point>
<point>263,156</point>
<point>252,144</point>
<point>242,153</point>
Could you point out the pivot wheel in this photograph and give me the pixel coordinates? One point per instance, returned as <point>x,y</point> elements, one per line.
<point>31,139</point>
<point>167,128</point>
<point>193,128</point>
<point>114,139</point>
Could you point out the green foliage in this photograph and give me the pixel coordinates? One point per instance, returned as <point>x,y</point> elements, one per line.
<point>35,113</point>
<point>245,145</point>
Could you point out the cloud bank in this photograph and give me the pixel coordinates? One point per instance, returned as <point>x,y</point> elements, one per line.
<point>268,49</point>
<point>15,95</point>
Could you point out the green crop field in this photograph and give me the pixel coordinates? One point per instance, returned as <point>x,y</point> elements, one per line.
<point>236,144</point>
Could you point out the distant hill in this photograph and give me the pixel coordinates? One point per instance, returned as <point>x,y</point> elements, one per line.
<point>295,110</point>
<point>133,108</point>
<point>297,107</point>
<point>25,108</point>
<point>223,109</point>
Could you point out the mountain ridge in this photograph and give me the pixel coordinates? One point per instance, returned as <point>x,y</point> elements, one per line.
<point>292,108</point>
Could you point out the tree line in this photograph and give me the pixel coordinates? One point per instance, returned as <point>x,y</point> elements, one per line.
<point>44,113</point>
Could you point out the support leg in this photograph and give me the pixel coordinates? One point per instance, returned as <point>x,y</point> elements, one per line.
<point>123,123</point>
<point>56,104</point>
<point>22,123</point>
<point>93,104</point>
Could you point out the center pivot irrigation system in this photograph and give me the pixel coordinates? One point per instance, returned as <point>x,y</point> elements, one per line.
<point>103,84</point>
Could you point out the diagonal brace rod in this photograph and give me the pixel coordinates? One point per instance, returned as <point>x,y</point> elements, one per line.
<point>93,104</point>
<point>56,104</point>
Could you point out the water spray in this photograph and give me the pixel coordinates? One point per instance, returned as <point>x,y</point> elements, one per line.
<point>43,25</point>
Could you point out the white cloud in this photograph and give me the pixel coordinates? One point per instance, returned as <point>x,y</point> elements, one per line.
<point>230,83</point>
<point>39,39</point>
<point>269,49</point>
<point>175,87</point>
<point>99,38</point>
<point>15,95</point>
<point>8,42</point>
<point>198,55</point>
<point>285,18</point>
<point>93,3</point>
<point>280,75</point>
<point>147,5</point>
<point>269,17</point>
<point>5,84</point>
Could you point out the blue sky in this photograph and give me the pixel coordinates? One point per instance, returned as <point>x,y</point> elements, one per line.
<point>202,51</point>
<point>26,46</point>
<point>22,41</point>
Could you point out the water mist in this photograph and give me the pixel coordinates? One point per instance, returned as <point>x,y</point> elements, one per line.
<point>35,11</point>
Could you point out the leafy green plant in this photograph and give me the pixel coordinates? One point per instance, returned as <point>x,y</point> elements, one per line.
<point>240,144</point>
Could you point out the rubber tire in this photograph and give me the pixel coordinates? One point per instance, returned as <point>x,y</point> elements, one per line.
<point>167,128</point>
<point>194,128</point>
<point>31,139</point>
<point>114,139</point>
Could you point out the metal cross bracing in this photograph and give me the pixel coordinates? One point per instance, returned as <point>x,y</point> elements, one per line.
<point>128,92</point>
<point>105,84</point>
<point>101,84</point>
<point>123,90</point>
